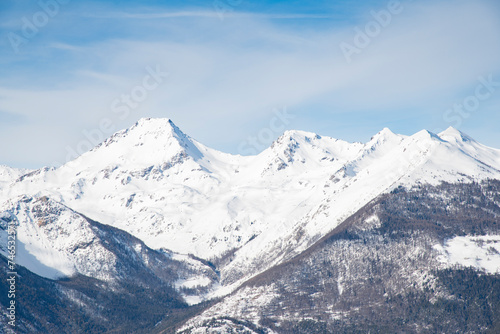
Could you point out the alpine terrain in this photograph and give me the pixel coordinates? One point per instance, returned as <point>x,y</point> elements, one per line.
<point>153,232</point>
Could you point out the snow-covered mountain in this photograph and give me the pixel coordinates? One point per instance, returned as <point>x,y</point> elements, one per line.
<point>425,260</point>
<point>56,242</point>
<point>9,174</point>
<point>152,202</point>
<point>243,213</point>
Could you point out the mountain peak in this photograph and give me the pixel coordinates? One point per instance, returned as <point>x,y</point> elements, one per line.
<point>384,133</point>
<point>299,133</point>
<point>8,174</point>
<point>156,121</point>
<point>296,137</point>
<point>165,125</point>
<point>385,136</point>
<point>426,134</point>
<point>150,141</point>
<point>157,131</point>
<point>454,135</point>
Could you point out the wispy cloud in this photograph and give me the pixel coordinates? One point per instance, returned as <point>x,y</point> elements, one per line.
<point>227,76</point>
<point>204,14</point>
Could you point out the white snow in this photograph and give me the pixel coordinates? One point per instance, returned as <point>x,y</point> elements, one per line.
<point>193,282</point>
<point>480,252</point>
<point>173,192</point>
<point>9,175</point>
<point>45,262</point>
<point>53,241</point>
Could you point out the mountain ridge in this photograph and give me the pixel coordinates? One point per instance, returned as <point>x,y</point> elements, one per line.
<point>246,213</point>
<point>151,207</point>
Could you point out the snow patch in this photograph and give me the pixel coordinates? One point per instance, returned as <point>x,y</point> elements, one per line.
<point>480,252</point>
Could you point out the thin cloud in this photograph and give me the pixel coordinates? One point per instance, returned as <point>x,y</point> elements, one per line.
<point>226,77</point>
<point>204,14</point>
<point>65,46</point>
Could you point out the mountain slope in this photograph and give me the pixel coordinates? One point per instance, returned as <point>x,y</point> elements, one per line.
<point>153,214</point>
<point>385,269</point>
<point>246,214</point>
<point>54,241</point>
<point>9,175</point>
<point>76,275</point>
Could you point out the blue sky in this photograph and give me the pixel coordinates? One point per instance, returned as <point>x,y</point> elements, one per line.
<point>341,68</point>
